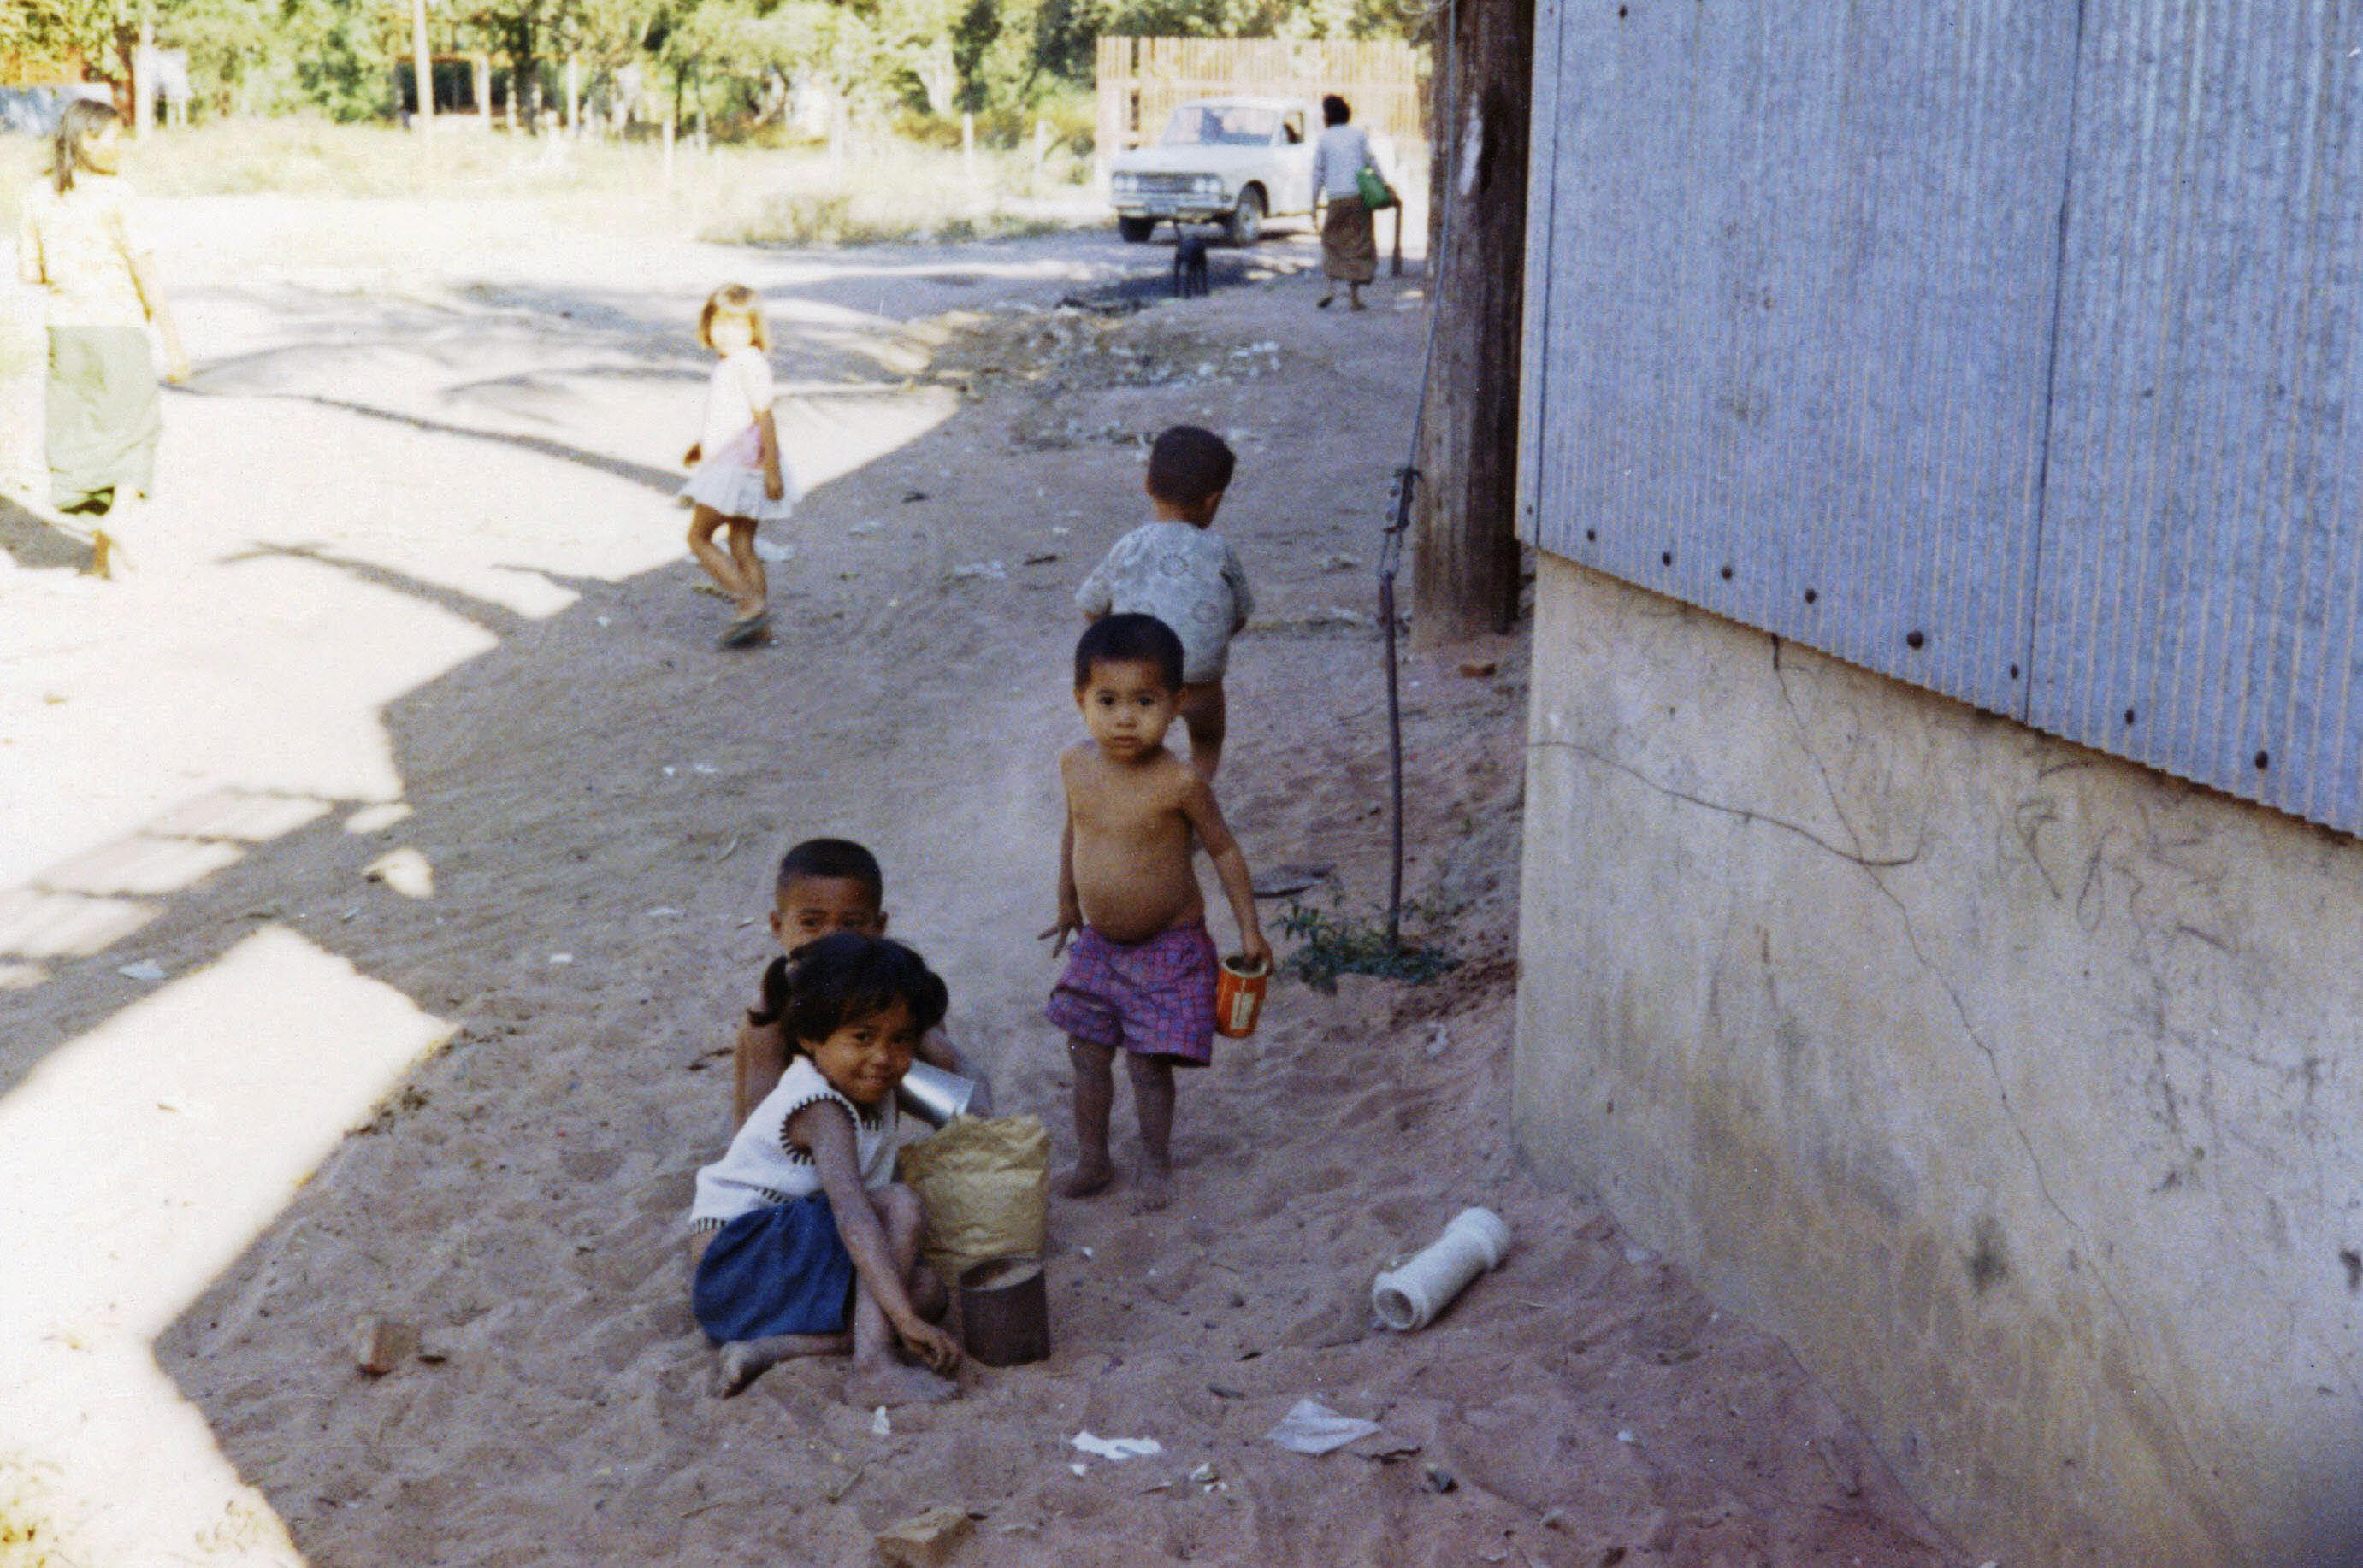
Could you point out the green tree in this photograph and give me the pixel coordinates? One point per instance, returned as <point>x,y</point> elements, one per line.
<point>918,37</point>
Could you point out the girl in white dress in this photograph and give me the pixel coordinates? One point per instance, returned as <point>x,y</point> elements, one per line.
<point>741,482</point>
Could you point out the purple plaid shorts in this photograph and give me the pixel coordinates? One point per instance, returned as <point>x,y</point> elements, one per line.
<point>1154,998</point>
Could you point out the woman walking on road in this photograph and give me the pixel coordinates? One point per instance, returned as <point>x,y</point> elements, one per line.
<point>1350,241</point>
<point>78,239</point>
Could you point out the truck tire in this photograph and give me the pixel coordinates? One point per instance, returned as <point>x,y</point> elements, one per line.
<point>1136,230</point>
<point>1245,226</point>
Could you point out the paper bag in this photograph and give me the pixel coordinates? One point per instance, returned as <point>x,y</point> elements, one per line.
<point>985,1183</point>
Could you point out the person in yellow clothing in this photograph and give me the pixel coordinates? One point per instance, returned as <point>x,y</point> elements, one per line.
<point>79,240</point>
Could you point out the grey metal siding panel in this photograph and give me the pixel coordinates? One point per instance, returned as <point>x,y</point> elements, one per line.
<point>1799,278</point>
<point>2201,543</point>
<point>1542,170</point>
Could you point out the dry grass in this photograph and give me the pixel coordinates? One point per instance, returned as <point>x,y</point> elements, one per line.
<point>889,191</point>
<point>841,216</point>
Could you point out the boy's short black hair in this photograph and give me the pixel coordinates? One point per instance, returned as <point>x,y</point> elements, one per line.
<point>1336,111</point>
<point>1130,639</point>
<point>843,979</point>
<point>833,859</point>
<point>1188,465</point>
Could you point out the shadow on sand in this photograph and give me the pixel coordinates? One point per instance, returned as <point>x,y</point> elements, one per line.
<point>38,545</point>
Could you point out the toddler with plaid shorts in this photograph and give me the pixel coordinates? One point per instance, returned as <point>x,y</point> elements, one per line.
<point>1142,975</point>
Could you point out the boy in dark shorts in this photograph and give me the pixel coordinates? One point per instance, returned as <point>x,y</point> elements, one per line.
<point>1143,971</point>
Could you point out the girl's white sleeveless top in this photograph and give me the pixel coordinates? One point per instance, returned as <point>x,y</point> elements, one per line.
<point>762,1168</point>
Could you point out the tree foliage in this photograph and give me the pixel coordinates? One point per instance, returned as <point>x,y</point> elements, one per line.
<point>747,60</point>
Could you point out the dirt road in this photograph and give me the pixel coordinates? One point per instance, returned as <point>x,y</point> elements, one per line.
<point>406,771</point>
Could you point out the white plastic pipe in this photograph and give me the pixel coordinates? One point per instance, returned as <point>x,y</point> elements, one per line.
<point>1409,1297</point>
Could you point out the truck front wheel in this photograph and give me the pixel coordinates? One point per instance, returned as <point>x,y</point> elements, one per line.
<point>1245,226</point>
<point>1136,230</point>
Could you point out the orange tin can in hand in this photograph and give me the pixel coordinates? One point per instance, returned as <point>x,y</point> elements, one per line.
<point>1238,996</point>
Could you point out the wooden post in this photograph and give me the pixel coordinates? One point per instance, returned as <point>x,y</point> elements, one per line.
<point>967,147</point>
<point>573,95</point>
<point>484,72</point>
<point>143,74</point>
<point>1464,537</point>
<point>1114,81</point>
<point>424,65</point>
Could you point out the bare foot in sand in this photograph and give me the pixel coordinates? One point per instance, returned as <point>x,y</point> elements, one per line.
<point>743,1360</point>
<point>893,1384</point>
<point>1085,1181</point>
<point>1152,1189</point>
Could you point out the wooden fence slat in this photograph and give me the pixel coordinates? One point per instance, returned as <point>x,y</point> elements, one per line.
<point>1141,80</point>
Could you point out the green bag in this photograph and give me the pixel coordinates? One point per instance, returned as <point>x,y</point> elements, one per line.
<point>1377,195</point>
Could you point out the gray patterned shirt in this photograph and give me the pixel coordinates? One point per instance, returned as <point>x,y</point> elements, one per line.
<point>1185,576</point>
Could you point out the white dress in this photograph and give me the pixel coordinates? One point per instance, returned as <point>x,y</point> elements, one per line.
<point>729,476</point>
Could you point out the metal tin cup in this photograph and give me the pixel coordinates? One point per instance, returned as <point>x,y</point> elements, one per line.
<point>932,1095</point>
<point>1005,1310</point>
<point>1238,996</point>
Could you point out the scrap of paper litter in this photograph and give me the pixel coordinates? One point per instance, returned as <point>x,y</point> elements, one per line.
<point>1117,1448</point>
<point>1312,1427</point>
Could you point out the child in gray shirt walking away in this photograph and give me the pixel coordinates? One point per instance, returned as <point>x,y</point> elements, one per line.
<point>1178,570</point>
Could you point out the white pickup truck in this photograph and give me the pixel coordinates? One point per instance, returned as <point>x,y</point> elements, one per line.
<point>1233,161</point>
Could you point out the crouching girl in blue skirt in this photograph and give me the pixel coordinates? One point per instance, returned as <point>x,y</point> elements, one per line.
<point>804,1242</point>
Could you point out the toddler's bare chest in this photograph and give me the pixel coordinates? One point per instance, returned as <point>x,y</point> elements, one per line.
<point>1114,820</point>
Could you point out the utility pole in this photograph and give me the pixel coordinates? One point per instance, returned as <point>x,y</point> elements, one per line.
<point>426,65</point>
<point>1465,544</point>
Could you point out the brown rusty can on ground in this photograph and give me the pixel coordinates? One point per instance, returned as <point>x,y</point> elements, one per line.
<point>1004,1310</point>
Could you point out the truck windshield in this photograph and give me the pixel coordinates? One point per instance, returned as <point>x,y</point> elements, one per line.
<point>1221,124</point>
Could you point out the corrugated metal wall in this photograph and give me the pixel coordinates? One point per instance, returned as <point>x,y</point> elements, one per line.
<point>2203,537</point>
<point>2002,347</point>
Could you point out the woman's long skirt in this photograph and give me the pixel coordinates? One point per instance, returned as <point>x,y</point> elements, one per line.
<point>104,417</point>
<point>1350,241</point>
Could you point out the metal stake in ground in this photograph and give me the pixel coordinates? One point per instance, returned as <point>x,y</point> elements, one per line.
<point>1390,559</point>
<point>1391,546</point>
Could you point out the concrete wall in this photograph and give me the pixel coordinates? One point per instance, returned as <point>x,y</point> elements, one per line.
<point>2016,1087</point>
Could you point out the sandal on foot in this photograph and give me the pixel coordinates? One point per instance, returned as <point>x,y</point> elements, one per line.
<point>1323,302</point>
<point>745,630</point>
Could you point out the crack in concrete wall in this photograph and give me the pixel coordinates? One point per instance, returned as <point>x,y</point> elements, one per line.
<point>2121,1365</point>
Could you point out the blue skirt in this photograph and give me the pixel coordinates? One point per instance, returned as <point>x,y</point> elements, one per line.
<point>781,1270</point>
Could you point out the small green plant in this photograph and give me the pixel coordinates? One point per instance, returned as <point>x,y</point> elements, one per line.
<point>1334,943</point>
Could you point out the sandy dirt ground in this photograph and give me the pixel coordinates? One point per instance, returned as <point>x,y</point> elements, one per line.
<point>403,779</point>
